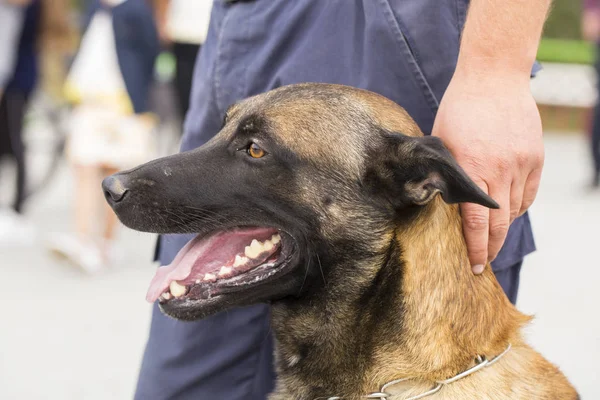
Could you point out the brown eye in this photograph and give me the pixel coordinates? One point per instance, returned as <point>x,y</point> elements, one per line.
<point>255,151</point>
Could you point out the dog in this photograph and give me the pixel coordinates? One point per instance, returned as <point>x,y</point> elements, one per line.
<point>328,202</point>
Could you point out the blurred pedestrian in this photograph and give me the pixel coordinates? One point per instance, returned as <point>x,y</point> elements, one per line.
<point>12,13</point>
<point>478,100</point>
<point>111,124</point>
<point>591,31</point>
<point>13,104</point>
<point>182,25</point>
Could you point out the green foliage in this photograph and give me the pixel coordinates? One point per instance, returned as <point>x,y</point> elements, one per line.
<point>566,51</point>
<point>564,21</point>
<point>562,35</point>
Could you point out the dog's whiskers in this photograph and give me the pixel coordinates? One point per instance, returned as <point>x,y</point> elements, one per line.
<point>191,221</point>
<point>321,269</point>
<point>203,215</point>
<point>181,221</point>
<point>306,273</point>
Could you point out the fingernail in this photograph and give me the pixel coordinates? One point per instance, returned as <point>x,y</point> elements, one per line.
<point>477,269</point>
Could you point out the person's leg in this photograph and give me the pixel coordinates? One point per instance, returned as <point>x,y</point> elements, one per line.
<point>11,22</point>
<point>5,147</point>
<point>87,181</point>
<point>226,356</point>
<point>14,228</point>
<point>185,55</point>
<point>596,149</point>
<point>16,103</point>
<point>136,43</point>
<point>82,248</point>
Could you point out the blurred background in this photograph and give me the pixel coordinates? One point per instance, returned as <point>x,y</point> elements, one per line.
<point>74,317</point>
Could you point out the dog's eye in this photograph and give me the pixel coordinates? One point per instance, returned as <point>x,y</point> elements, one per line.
<point>255,151</point>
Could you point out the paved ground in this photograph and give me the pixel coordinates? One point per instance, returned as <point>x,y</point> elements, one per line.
<point>67,336</point>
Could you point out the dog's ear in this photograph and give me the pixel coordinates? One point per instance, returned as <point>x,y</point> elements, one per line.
<point>413,170</point>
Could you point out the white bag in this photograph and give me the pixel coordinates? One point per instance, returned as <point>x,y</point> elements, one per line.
<point>95,76</point>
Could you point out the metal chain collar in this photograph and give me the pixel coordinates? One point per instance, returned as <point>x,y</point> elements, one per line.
<point>480,363</point>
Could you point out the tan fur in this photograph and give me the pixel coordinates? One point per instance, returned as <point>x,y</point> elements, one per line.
<point>452,315</point>
<point>388,114</point>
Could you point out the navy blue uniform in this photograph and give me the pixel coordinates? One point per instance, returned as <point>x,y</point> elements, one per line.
<point>405,50</point>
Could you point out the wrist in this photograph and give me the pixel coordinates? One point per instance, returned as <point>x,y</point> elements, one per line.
<point>492,76</point>
<point>512,66</point>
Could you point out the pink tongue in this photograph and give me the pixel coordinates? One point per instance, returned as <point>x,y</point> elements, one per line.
<point>204,254</point>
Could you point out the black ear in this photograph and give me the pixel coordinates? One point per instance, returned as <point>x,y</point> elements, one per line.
<point>413,170</point>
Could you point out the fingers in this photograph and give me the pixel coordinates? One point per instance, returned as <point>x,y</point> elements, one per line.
<point>516,198</point>
<point>499,219</point>
<point>476,231</point>
<point>531,188</point>
<point>485,230</point>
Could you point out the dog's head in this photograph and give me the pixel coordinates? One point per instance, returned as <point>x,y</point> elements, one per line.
<point>298,182</point>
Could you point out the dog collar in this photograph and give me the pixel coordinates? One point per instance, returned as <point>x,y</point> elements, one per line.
<point>481,362</point>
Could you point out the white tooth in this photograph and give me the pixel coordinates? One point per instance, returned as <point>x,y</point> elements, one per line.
<point>251,252</point>
<point>225,271</point>
<point>239,260</point>
<point>177,289</point>
<point>166,295</point>
<point>210,278</point>
<point>257,246</point>
<point>268,246</point>
<point>275,238</point>
<point>197,280</point>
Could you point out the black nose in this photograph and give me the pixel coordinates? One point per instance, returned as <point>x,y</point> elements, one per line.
<point>114,188</point>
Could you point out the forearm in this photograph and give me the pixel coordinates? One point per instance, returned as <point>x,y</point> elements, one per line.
<point>502,36</point>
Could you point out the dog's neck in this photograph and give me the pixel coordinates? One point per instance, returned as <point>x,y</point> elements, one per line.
<point>426,316</point>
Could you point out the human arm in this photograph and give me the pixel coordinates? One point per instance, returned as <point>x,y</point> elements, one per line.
<point>489,120</point>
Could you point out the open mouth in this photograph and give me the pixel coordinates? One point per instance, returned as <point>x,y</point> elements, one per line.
<point>221,262</point>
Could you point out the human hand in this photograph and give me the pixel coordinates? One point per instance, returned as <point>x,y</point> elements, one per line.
<point>492,126</point>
